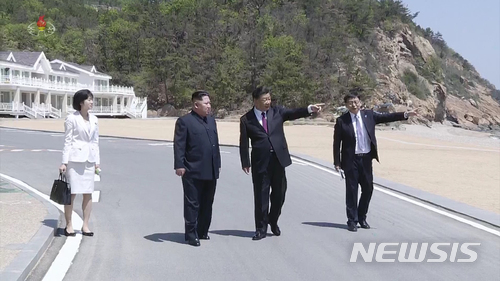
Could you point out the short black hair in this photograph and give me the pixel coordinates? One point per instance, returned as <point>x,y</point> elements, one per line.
<point>354,93</point>
<point>262,90</point>
<point>350,97</point>
<point>198,95</point>
<point>79,97</point>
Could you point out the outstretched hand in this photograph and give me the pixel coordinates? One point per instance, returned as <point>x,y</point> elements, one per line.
<point>317,107</point>
<point>413,112</point>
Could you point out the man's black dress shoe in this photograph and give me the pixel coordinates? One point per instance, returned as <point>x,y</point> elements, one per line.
<point>364,224</point>
<point>275,229</point>
<point>194,242</point>
<point>258,235</point>
<point>205,237</point>
<point>66,233</point>
<point>352,227</point>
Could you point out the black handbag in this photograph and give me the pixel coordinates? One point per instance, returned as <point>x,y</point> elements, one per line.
<point>61,191</point>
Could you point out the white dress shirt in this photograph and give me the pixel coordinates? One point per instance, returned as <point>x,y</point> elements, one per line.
<point>362,138</point>
<point>258,114</point>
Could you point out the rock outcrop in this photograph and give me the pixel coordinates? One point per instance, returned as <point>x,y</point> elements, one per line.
<point>398,56</point>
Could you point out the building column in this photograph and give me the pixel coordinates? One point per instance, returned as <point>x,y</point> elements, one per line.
<point>115,104</point>
<point>48,99</point>
<point>64,107</point>
<point>56,104</point>
<point>16,102</point>
<point>122,103</point>
<point>17,95</point>
<point>37,97</point>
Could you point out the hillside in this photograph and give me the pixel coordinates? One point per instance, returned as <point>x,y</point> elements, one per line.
<point>307,50</point>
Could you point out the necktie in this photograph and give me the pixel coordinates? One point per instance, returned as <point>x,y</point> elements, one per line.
<point>264,121</point>
<point>359,133</point>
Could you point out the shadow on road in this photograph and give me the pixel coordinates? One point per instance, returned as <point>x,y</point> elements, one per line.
<point>51,223</point>
<point>327,224</point>
<point>54,224</point>
<point>238,233</point>
<point>172,237</point>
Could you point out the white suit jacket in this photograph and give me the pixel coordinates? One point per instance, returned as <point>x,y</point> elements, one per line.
<point>80,144</point>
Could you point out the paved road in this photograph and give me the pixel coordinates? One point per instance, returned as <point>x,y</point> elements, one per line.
<point>139,223</point>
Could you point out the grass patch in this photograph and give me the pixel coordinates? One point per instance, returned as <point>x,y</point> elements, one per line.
<point>415,85</point>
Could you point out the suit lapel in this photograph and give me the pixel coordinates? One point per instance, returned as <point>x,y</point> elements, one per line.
<point>269,115</point>
<point>366,122</point>
<point>92,121</point>
<point>349,120</point>
<point>253,119</point>
<point>81,121</point>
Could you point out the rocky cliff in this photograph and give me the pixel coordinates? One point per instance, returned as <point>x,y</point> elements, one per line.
<point>452,93</point>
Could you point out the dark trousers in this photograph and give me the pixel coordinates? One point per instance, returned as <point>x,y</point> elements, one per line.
<point>362,174</point>
<point>274,177</point>
<point>198,199</point>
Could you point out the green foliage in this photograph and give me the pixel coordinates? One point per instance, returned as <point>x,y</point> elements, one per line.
<point>414,85</point>
<point>307,50</point>
<point>360,16</point>
<point>390,27</point>
<point>453,82</point>
<point>431,70</point>
<point>496,95</point>
<point>284,71</point>
<point>390,9</point>
<point>227,89</point>
<point>178,7</point>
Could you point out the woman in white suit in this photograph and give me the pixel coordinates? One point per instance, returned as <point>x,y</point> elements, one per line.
<point>80,157</point>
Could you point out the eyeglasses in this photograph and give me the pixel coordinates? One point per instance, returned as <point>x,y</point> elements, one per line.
<point>354,102</point>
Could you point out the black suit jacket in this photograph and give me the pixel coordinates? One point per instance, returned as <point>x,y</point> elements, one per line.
<point>262,142</point>
<point>196,147</point>
<point>344,138</point>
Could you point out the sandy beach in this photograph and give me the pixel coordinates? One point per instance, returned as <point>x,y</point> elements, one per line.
<point>451,162</point>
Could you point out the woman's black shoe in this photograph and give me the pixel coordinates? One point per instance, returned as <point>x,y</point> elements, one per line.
<point>87,233</point>
<point>66,233</point>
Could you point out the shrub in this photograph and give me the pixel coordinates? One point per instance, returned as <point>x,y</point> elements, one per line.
<point>415,85</point>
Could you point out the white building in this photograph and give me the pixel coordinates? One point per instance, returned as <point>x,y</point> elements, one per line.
<point>33,86</point>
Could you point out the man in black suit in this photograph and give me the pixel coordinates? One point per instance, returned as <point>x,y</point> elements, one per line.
<point>354,147</point>
<point>197,160</point>
<point>263,124</point>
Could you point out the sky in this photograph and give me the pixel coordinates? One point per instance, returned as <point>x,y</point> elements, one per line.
<point>471,28</point>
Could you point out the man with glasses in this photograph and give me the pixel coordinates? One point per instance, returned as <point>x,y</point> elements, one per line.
<point>354,147</point>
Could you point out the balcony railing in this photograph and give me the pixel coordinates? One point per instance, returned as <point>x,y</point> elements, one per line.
<point>54,85</point>
<point>47,110</point>
<point>6,106</point>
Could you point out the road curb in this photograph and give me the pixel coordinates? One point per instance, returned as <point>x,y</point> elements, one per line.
<point>26,260</point>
